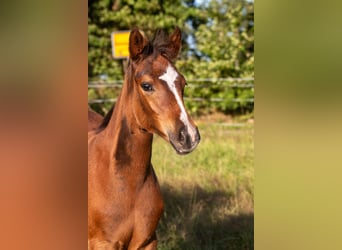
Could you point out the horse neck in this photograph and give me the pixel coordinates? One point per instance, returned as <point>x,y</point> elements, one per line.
<point>129,144</point>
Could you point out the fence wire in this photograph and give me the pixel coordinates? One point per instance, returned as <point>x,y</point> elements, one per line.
<point>237,83</point>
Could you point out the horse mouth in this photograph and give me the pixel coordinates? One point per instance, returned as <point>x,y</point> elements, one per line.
<point>183,151</point>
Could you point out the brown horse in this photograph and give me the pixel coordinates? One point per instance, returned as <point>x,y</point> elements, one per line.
<point>124,199</point>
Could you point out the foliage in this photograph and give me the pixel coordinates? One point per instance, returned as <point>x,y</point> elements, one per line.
<point>224,48</point>
<point>218,43</point>
<point>106,16</point>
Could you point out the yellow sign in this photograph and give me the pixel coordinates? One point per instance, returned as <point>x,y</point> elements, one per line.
<point>120,40</point>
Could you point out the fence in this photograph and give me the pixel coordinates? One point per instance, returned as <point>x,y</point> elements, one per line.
<point>224,83</point>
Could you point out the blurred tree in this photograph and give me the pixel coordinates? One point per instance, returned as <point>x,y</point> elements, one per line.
<point>225,42</point>
<point>106,16</point>
<point>223,47</point>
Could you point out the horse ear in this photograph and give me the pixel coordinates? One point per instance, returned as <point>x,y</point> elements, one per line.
<point>175,43</point>
<point>137,43</point>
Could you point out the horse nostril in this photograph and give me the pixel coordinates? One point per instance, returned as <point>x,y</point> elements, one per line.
<point>182,136</point>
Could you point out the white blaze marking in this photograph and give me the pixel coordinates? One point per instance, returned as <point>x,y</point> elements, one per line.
<point>170,77</point>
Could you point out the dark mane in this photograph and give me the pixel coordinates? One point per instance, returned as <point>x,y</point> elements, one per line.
<point>106,120</point>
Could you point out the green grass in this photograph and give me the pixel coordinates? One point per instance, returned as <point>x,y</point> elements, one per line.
<point>208,194</point>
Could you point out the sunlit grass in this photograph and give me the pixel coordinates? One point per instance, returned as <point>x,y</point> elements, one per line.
<point>208,194</point>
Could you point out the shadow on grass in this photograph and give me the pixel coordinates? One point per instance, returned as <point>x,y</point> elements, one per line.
<point>195,218</point>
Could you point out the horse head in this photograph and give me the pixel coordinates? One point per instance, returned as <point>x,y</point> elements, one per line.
<point>158,88</point>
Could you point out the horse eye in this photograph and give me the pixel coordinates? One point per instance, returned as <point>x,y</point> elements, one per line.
<point>147,87</point>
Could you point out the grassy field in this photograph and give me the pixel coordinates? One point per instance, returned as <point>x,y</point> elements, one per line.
<point>208,194</point>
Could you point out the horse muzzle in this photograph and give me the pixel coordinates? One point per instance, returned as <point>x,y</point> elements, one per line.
<point>186,140</point>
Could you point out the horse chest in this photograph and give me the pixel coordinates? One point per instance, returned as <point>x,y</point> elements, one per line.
<point>131,212</point>
<point>142,201</point>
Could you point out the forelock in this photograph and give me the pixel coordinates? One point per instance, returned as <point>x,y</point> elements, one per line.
<point>159,45</point>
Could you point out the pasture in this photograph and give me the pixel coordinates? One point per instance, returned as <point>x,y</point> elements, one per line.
<point>208,194</point>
